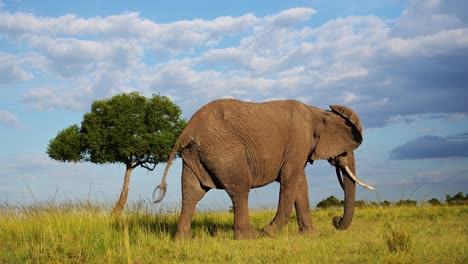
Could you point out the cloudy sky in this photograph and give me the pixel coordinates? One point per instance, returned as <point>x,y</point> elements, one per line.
<point>401,65</point>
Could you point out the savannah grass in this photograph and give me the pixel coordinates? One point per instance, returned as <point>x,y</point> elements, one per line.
<point>77,232</point>
<point>397,239</point>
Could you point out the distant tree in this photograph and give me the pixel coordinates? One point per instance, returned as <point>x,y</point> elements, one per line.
<point>458,199</point>
<point>385,203</point>
<point>434,202</point>
<point>127,128</point>
<point>331,201</point>
<point>407,202</point>
<point>360,203</point>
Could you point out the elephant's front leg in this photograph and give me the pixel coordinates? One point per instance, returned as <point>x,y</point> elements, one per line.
<point>289,181</point>
<point>192,192</point>
<point>304,219</point>
<point>242,227</point>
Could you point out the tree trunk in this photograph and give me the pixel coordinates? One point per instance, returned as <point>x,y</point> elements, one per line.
<point>119,206</point>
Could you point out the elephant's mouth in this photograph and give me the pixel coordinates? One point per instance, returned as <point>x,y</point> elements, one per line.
<point>351,175</point>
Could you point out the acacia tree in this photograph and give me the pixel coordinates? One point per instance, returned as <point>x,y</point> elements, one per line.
<point>127,128</point>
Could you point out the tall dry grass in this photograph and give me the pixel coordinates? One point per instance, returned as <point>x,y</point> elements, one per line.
<point>81,232</point>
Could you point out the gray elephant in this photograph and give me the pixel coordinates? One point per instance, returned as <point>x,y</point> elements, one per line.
<point>236,146</point>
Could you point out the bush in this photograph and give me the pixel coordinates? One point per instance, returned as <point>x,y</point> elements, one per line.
<point>360,203</point>
<point>458,199</point>
<point>407,202</point>
<point>385,203</point>
<point>331,201</point>
<point>434,202</point>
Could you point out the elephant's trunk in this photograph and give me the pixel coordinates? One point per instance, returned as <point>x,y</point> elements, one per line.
<point>341,223</point>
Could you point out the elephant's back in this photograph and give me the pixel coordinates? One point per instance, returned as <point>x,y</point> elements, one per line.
<point>246,123</point>
<point>234,116</point>
<point>230,109</point>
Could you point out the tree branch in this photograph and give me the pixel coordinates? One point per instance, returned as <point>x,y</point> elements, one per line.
<point>144,165</point>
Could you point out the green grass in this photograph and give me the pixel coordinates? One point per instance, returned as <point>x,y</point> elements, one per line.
<point>86,233</point>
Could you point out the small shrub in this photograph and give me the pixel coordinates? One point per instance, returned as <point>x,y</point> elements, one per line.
<point>407,202</point>
<point>385,203</point>
<point>397,239</point>
<point>331,201</point>
<point>434,202</point>
<point>360,203</point>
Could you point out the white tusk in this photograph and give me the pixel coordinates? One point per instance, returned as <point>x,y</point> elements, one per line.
<point>356,179</point>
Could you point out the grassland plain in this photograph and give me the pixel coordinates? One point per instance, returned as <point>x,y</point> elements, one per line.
<point>85,233</point>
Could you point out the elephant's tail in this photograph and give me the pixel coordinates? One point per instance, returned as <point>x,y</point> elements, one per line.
<point>162,188</point>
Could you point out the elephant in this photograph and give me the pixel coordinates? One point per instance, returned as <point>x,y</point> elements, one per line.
<point>236,146</point>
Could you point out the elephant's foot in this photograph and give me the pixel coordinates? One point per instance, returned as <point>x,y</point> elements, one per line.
<point>305,226</point>
<point>304,230</point>
<point>246,233</point>
<point>271,230</point>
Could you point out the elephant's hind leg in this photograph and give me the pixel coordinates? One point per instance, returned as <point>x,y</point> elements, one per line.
<point>242,227</point>
<point>192,192</point>
<point>231,170</point>
<point>236,180</point>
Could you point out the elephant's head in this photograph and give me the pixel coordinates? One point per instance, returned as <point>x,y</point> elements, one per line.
<point>338,134</point>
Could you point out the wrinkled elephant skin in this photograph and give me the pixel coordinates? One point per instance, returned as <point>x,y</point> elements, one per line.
<point>236,146</point>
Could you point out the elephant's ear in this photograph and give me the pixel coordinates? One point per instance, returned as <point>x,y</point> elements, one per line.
<point>351,116</point>
<point>340,132</point>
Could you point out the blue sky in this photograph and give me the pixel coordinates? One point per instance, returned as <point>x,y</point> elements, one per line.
<point>401,65</point>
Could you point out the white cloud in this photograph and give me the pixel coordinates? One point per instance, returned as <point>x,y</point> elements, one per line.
<point>8,119</point>
<point>350,98</point>
<point>363,61</point>
<point>177,36</point>
<point>429,45</point>
<point>429,17</point>
<point>290,17</point>
<point>47,98</point>
<point>70,56</point>
<point>11,69</point>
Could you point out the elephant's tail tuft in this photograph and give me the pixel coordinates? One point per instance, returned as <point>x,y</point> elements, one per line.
<point>162,188</point>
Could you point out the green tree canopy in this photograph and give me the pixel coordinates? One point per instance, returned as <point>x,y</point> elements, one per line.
<point>127,128</point>
<point>360,203</point>
<point>407,202</point>
<point>331,201</point>
<point>385,203</point>
<point>434,201</point>
<point>458,199</point>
